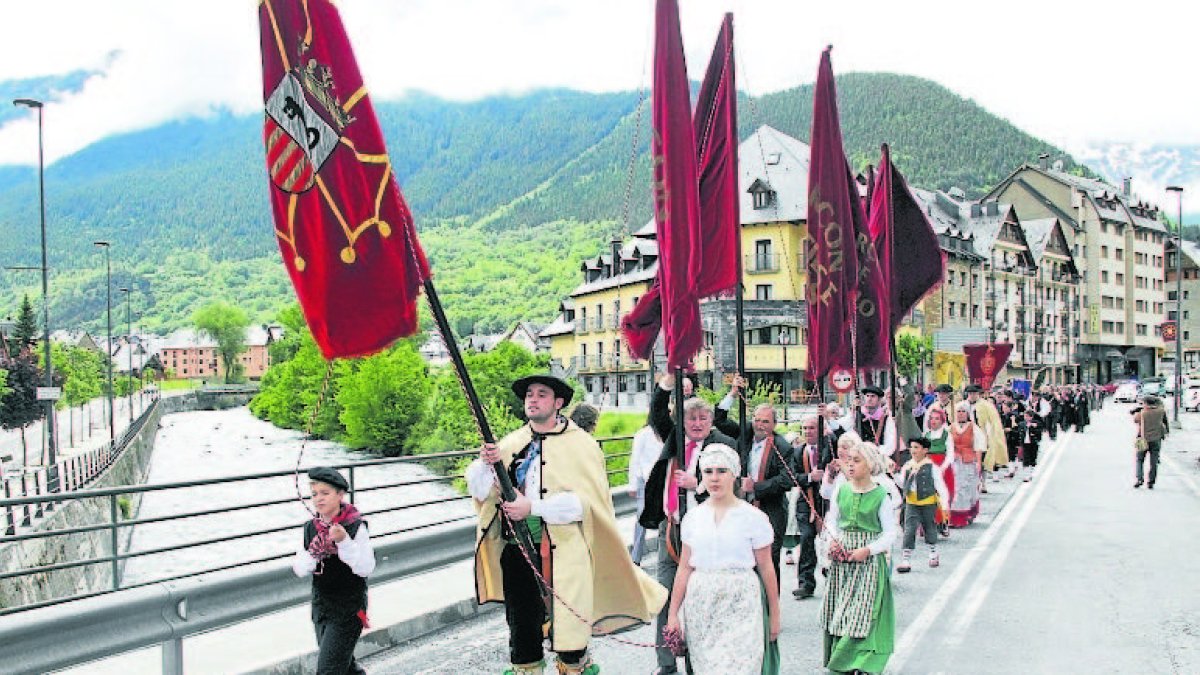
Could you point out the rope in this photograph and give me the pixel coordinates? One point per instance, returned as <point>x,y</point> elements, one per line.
<point>308,430</point>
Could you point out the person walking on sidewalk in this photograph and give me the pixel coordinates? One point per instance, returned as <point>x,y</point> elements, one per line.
<point>1151,421</point>
<point>925,494</point>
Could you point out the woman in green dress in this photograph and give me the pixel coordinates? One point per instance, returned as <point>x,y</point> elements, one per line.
<point>857,616</point>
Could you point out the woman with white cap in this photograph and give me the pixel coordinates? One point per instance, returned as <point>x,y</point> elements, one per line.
<point>728,616</point>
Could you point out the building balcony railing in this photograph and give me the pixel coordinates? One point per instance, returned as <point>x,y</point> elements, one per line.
<point>761,263</point>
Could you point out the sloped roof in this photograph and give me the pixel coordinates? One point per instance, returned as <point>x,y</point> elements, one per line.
<point>781,162</point>
<point>1037,234</point>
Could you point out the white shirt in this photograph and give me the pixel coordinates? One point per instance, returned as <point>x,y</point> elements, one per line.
<point>646,450</point>
<point>729,544</point>
<point>555,509</point>
<point>887,520</point>
<point>356,552</point>
<point>756,460</point>
<point>887,444</point>
<point>829,488</point>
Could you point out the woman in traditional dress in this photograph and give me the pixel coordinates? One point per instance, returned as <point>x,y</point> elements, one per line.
<point>730,616</point>
<point>857,616</point>
<point>941,453</point>
<point>970,443</point>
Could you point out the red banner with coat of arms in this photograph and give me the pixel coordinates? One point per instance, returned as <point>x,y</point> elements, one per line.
<point>346,235</point>
<point>985,361</point>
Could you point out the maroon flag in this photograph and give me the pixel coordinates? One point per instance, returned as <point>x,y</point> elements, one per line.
<point>834,208</point>
<point>346,235</point>
<point>715,124</point>
<point>898,224</point>
<point>676,207</point>
<point>985,361</point>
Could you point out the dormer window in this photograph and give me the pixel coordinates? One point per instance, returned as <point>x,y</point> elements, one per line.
<point>762,194</point>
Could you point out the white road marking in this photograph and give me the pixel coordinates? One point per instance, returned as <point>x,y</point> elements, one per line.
<point>936,605</point>
<point>982,585</point>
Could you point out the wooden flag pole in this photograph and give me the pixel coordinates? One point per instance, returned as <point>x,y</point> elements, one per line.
<point>507,492</point>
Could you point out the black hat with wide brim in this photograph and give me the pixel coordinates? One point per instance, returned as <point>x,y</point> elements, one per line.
<point>973,389</point>
<point>329,476</point>
<point>561,389</point>
<point>944,389</point>
<point>871,390</point>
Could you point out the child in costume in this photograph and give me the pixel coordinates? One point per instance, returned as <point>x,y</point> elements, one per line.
<point>857,617</point>
<point>337,553</point>
<point>925,493</point>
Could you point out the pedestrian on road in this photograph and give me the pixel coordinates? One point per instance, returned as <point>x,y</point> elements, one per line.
<point>810,459</point>
<point>673,489</point>
<point>337,553</point>
<point>925,493</point>
<point>730,616</point>
<point>1151,421</point>
<point>987,417</point>
<point>1031,439</point>
<point>941,453</point>
<point>857,616</point>
<point>647,446</point>
<point>564,502</point>
<point>970,443</point>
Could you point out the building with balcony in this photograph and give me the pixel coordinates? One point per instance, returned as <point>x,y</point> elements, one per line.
<point>1187,315</point>
<point>1119,248</point>
<point>585,339</point>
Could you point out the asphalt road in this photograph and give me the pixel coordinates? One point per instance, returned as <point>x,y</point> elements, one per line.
<point>1075,572</point>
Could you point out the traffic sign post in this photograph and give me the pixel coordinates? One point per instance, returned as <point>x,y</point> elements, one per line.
<point>49,393</point>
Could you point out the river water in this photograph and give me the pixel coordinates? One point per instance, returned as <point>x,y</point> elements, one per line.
<point>212,444</point>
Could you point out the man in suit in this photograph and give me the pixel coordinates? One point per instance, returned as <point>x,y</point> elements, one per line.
<point>809,461</point>
<point>668,479</point>
<point>766,458</point>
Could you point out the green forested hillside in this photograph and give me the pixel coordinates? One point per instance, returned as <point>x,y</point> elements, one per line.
<point>509,194</point>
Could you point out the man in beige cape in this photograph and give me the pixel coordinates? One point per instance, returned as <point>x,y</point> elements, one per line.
<point>988,418</point>
<point>565,501</point>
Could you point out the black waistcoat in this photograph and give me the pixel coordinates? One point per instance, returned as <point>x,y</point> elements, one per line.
<point>337,586</point>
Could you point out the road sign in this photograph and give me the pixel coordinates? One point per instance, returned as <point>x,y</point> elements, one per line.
<point>49,393</point>
<point>842,380</point>
<point>1169,332</point>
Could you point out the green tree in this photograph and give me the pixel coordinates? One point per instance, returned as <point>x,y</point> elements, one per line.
<point>227,325</point>
<point>291,390</point>
<point>911,352</point>
<point>19,407</point>
<point>382,399</point>
<point>26,330</point>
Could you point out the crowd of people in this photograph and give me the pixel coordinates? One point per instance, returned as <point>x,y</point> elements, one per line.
<point>832,498</point>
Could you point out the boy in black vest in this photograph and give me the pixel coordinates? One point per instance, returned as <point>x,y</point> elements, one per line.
<point>337,552</point>
<point>924,489</point>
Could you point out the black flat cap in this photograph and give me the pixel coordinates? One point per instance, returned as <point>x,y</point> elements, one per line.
<point>944,389</point>
<point>561,389</point>
<point>973,389</point>
<point>329,476</point>
<point>871,389</point>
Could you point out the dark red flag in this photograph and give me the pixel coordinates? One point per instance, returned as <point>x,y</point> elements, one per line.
<point>715,124</point>
<point>903,236</point>
<point>985,361</point>
<point>676,205</point>
<point>347,237</point>
<point>834,208</point>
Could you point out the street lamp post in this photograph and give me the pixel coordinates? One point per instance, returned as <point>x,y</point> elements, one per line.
<point>129,346</point>
<point>1178,190</point>
<point>52,440</point>
<point>785,339</point>
<point>112,431</point>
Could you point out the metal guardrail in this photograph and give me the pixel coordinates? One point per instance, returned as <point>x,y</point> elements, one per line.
<point>166,613</point>
<point>114,525</point>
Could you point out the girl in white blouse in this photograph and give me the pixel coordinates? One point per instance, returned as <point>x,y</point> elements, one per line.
<point>721,598</point>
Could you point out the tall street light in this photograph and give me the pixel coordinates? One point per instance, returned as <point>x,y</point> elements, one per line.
<point>52,443</point>
<point>112,432</point>
<point>1178,190</point>
<point>129,346</point>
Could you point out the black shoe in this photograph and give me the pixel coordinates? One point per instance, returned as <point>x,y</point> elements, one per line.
<point>1137,484</point>
<point>802,593</point>
<point>1150,486</point>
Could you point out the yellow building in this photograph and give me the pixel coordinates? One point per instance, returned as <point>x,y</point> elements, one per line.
<point>585,340</point>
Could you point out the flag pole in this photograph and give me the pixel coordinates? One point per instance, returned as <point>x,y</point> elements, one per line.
<point>739,326</point>
<point>507,492</point>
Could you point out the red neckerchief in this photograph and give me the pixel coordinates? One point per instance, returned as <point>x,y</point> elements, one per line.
<point>322,545</point>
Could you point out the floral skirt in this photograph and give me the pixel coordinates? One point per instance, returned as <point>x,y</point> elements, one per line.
<point>723,622</point>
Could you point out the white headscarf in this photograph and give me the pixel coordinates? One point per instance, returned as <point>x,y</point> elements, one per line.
<point>720,455</point>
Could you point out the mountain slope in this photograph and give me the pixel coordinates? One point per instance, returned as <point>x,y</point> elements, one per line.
<point>509,191</point>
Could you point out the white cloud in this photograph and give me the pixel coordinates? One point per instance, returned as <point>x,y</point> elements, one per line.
<point>1066,71</point>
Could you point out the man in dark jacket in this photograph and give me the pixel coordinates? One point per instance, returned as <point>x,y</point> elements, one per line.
<point>1151,420</point>
<point>810,459</point>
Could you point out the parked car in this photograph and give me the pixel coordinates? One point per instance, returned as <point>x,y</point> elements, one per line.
<point>1127,393</point>
<point>1154,387</point>
<point>1191,398</point>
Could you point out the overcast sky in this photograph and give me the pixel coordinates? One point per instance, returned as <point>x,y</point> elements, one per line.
<point>1067,71</point>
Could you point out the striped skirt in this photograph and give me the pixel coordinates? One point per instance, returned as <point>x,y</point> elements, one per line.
<point>857,616</point>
